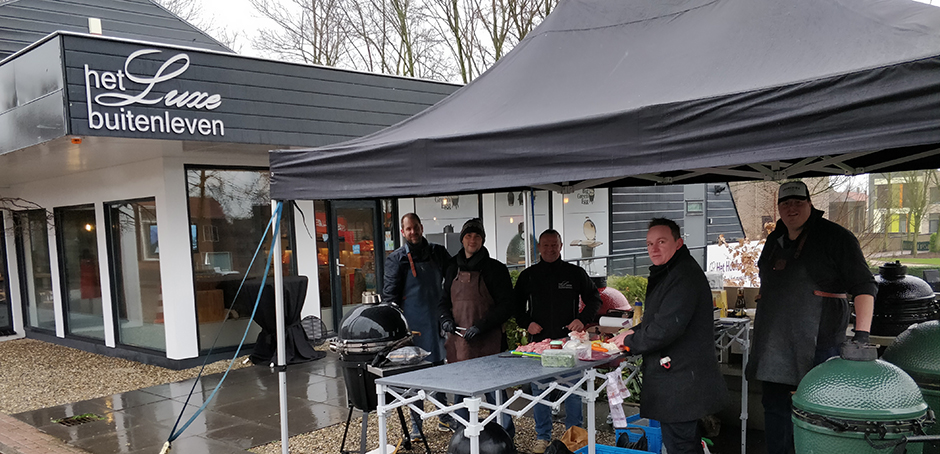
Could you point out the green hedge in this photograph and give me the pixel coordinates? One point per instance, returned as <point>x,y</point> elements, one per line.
<point>633,287</point>
<point>912,270</point>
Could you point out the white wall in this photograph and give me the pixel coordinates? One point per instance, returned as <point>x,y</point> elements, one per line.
<point>163,179</point>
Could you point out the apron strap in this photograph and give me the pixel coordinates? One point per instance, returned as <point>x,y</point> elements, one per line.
<point>411,261</point>
<point>830,295</point>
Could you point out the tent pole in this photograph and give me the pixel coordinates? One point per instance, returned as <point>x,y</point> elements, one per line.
<point>529,226</point>
<point>279,315</point>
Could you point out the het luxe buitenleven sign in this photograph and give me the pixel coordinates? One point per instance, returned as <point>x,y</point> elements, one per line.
<point>111,99</point>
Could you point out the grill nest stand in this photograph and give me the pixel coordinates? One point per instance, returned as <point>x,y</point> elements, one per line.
<point>366,387</point>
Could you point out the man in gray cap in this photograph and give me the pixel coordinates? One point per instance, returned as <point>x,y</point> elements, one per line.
<point>808,268</point>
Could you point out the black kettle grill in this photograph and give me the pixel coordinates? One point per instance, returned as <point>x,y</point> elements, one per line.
<point>902,301</point>
<point>367,331</point>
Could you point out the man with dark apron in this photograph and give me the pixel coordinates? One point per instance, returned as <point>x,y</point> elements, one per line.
<point>477,300</point>
<point>413,280</point>
<point>808,267</point>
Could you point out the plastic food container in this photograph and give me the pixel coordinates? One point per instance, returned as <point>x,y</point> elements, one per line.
<point>558,358</point>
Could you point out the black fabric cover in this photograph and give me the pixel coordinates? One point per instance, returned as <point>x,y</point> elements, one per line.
<point>297,348</point>
<point>680,90</point>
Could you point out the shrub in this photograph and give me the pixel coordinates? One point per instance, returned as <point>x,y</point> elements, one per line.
<point>633,287</point>
<point>933,243</point>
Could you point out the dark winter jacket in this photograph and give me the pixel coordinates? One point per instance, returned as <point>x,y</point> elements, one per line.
<point>547,294</point>
<point>397,265</point>
<point>678,323</point>
<point>835,261</point>
<point>494,275</point>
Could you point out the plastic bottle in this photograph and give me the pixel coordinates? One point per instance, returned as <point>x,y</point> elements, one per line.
<point>637,312</point>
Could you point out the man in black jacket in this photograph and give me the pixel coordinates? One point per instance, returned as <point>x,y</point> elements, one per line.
<point>681,380</point>
<point>547,299</point>
<point>413,279</point>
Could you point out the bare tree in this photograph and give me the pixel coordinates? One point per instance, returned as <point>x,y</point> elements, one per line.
<point>454,21</point>
<point>188,10</point>
<point>435,39</point>
<point>309,31</point>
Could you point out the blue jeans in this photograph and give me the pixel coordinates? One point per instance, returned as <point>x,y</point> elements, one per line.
<point>777,400</point>
<point>543,414</point>
<point>506,420</point>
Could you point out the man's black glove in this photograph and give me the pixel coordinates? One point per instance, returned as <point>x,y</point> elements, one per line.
<point>448,326</point>
<point>862,337</point>
<point>470,333</point>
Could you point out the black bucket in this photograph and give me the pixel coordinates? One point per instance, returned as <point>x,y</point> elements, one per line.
<point>360,384</point>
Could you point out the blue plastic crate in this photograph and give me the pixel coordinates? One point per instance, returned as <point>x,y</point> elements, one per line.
<point>654,434</point>
<point>604,449</point>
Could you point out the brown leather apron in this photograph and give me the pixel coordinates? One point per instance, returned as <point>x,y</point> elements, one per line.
<point>471,301</point>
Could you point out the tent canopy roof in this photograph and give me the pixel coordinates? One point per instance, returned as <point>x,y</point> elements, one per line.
<point>658,91</point>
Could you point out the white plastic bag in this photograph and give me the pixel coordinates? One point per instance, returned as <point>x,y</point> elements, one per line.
<point>407,355</point>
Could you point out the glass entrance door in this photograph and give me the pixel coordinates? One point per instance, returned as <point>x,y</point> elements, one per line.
<point>6,317</point>
<point>356,262</point>
<point>78,253</point>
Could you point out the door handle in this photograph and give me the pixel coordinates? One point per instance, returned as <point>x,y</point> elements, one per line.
<point>338,265</point>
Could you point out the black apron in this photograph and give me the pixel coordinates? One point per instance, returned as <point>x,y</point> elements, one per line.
<point>423,289</point>
<point>788,319</point>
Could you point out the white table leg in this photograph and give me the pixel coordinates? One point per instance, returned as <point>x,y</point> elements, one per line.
<point>380,411</point>
<point>590,411</point>
<point>473,424</point>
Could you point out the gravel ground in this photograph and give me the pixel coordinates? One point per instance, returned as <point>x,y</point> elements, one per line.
<point>36,374</point>
<point>328,439</point>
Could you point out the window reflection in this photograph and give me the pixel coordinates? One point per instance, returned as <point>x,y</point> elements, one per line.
<point>78,250</point>
<point>229,210</point>
<point>35,268</point>
<point>135,256</point>
<point>6,322</point>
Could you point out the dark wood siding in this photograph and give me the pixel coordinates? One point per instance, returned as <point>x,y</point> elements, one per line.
<point>631,211</point>
<point>24,22</point>
<point>633,207</point>
<point>722,214</point>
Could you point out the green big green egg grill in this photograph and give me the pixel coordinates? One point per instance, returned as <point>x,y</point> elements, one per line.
<point>917,352</point>
<point>858,404</point>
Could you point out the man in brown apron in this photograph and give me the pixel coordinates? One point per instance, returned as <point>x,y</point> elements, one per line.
<point>477,300</point>
<point>808,267</point>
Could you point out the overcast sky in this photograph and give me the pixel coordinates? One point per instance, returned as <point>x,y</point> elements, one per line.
<point>240,15</point>
<point>236,15</point>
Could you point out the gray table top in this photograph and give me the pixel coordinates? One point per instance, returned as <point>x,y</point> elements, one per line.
<point>481,375</point>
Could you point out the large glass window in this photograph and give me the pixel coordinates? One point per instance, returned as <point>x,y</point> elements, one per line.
<point>229,210</point>
<point>6,320</point>
<point>78,254</point>
<point>444,216</point>
<point>32,229</point>
<point>135,267</point>
<point>510,226</point>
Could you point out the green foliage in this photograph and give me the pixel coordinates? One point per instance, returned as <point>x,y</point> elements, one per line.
<point>635,384</point>
<point>514,275</point>
<point>633,287</point>
<point>934,247</point>
<point>515,336</point>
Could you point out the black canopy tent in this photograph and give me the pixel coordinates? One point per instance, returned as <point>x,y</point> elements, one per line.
<point>637,92</point>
